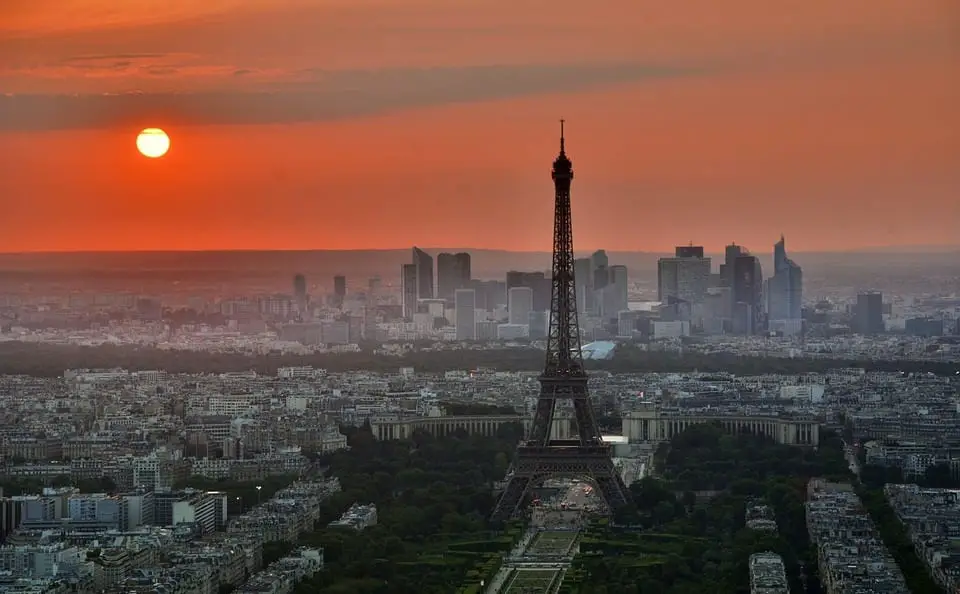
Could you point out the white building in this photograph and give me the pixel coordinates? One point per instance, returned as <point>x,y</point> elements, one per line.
<point>674,329</point>
<point>512,331</point>
<point>519,305</point>
<point>209,510</point>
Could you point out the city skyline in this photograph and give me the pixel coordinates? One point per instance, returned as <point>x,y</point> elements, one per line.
<point>691,123</point>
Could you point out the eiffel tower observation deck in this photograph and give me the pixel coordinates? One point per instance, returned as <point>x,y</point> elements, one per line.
<point>564,379</point>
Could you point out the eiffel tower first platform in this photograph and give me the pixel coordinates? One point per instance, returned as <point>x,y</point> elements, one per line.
<point>539,457</point>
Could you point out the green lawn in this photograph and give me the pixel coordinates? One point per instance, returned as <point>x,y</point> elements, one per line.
<point>531,581</point>
<point>551,543</point>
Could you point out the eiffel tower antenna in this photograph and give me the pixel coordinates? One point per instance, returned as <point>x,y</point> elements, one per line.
<point>564,379</point>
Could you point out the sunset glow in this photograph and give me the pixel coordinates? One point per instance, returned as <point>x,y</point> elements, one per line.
<point>430,122</point>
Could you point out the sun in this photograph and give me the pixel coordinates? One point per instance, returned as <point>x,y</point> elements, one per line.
<point>153,143</point>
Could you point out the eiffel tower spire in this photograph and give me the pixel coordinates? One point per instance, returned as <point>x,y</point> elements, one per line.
<point>564,379</point>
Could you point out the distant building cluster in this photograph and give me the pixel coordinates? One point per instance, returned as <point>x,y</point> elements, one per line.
<point>736,300</point>
<point>466,309</point>
<point>689,306</point>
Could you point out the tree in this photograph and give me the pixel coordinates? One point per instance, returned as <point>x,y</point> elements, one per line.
<point>693,545</point>
<point>433,495</point>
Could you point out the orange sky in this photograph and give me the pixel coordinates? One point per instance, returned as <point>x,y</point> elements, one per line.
<point>301,124</point>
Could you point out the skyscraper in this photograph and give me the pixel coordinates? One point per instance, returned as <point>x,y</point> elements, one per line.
<point>583,278</point>
<point>490,293</point>
<point>424,267</point>
<point>453,272</point>
<point>689,251</point>
<point>538,282</point>
<point>339,290</point>
<point>300,290</point>
<point>408,289</point>
<point>785,292</point>
<point>520,304</point>
<point>465,301</point>
<point>370,309</point>
<point>685,277</point>
<point>868,316</point>
<point>599,259</point>
<point>599,277</point>
<point>730,255</point>
<point>747,291</point>
<point>614,293</point>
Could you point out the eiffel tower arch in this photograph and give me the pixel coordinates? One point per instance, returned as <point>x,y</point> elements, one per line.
<point>540,457</point>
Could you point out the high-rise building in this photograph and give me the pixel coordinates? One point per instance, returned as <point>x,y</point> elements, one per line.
<point>583,279</point>
<point>538,325</point>
<point>491,294</point>
<point>371,309</point>
<point>614,293</point>
<point>599,259</point>
<point>685,277</point>
<point>520,304</point>
<point>465,302</point>
<point>599,278</point>
<point>538,282</point>
<point>730,255</point>
<point>408,289</point>
<point>747,291</point>
<point>785,292</point>
<point>339,289</point>
<point>424,266</point>
<point>868,316</point>
<point>300,290</point>
<point>453,272</point>
<point>689,251</point>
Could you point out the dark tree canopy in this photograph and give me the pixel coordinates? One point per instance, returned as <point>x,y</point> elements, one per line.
<point>48,360</point>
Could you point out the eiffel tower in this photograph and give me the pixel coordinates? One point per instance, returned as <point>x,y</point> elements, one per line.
<point>563,379</point>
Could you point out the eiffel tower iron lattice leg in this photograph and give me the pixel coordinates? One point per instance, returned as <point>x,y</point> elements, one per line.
<point>564,379</point>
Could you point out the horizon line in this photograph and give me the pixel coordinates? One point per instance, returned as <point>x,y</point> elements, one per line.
<point>853,250</point>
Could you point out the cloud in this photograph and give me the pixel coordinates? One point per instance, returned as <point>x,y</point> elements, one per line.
<point>318,95</point>
<point>93,60</point>
<point>117,72</point>
<point>32,19</point>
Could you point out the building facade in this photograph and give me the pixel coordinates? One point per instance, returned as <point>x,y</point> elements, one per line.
<point>453,272</point>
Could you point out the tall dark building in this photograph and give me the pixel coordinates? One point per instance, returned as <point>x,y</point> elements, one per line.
<point>453,272</point>
<point>339,289</point>
<point>682,281</point>
<point>689,251</point>
<point>747,290</point>
<point>730,255</point>
<point>868,316</point>
<point>300,289</point>
<point>490,293</point>
<point>537,282</point>
<point>925,326</point>
<point>542,454</point>
<point>424,267</point>
<point>408,289</point>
